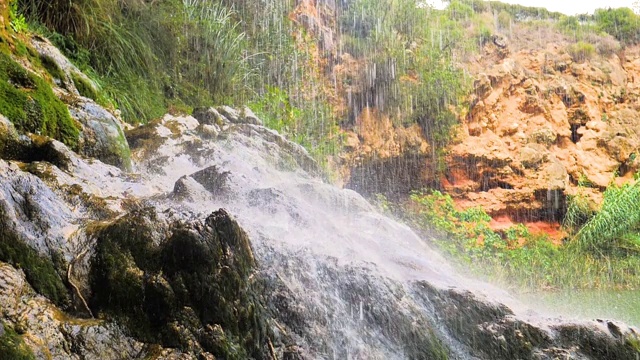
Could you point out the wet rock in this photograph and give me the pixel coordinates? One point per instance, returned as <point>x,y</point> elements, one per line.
<point>499,41</point>
<point>50,334</point>
<point>103,135</point>
<point>187,188</point>
<point>390,176</point>
<point>230,113</point>
<point>35,223</point>
<point>209,131</point>
<point>209,116</point>
<point>8,139</point>
<point>243,116</point>
<point>168,283</point>
<point>249,117</point>
<point>294,151</point>
<point>492,331</point>
<point>212,179</point>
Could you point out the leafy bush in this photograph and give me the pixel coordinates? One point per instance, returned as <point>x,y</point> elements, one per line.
<point>504,19</point>
<point>622,23</point>
<point>517,258</point>
<point>612,228</point>
<point>191,47</point>
<point>410,74</point>
<point>581,51</point>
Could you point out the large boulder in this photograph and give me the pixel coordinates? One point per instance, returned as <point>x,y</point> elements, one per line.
<point>102,134</point>
<point>184,284</point>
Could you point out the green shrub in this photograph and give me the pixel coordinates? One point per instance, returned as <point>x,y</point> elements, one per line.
<point>519,259</point>
<point>149,54</point>
<point>459,11</point>
<point>16,19</point>
<point>579,211</point>
<point>504,20</point>
<point>612,228</point>
<point>621,23</point>
<point>581,51</point>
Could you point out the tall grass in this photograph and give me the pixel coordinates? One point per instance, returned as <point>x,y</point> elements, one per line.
<point>611,230</point>
<point>150,54</point>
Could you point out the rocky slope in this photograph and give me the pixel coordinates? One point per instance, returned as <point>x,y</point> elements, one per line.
<point>542,126</point>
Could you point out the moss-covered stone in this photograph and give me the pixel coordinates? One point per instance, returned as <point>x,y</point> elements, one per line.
<point>52,68</point>
<point>190,289</point>
<point>85,87</point>
<point>40,271</point>
<point>12,347</point>
<point>29,102</point>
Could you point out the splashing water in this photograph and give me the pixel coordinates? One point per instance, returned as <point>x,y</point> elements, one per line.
<point>346,281</point>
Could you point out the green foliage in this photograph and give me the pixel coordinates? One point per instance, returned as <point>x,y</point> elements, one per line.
<point>411,75</point>
<point>516,11</point>
<point>459,10</point>
<point>28,101</point>
<point>516,257</point>
<point>579,211</point>
<point>622,23</point>
<point>504,19</point>
<point>16,19</point>
<point>581,51</point>
<point>311,126</point>
<point>613,228</point>
<point>193,48</point>
<point>12,347</point>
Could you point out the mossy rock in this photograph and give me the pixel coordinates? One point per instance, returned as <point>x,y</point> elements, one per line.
<point>53,69</point>
<point>12,347</point>
<point>103,137</point>
<point>167,288</point>
<point>29,102</point>
<point>39,271</point>
<point>85,87</point>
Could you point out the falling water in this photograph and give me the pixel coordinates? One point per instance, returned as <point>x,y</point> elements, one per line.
<point>350,282</point>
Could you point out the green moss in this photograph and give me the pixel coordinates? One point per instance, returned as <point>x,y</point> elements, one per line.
<point>21,48</point>
<point>52,68</point>
<point>39,271</point>
<point>190,286</point>
<point>85,88</point>
<point>12,347</point>
<point>29,102</point>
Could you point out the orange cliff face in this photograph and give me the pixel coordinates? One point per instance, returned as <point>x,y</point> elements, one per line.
<point>540,125</point>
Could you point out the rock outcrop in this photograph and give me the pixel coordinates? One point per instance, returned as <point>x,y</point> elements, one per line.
<point>543,126</point>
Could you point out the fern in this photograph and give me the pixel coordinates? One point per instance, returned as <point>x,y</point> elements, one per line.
<point>619,214</point>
